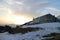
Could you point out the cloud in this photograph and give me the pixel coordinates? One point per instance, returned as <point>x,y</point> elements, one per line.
<point>28,7</point>
<point>52,10</point>
<point>31,8</point>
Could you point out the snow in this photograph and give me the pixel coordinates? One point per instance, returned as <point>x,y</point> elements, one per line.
<point>49,28</point>
<point>27,36</point>
<point>45,25</point>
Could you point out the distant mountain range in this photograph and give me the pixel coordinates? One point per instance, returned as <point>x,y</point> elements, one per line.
<point>11,25</point>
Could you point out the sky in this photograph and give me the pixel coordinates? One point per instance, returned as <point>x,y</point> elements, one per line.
<point>22,11</point>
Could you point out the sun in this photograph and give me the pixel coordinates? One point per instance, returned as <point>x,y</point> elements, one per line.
<point>9,17</point>
<point>18,19</point>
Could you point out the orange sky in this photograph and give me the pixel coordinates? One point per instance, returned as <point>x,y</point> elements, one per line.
<point>14,19</point>
<point>21,11</point>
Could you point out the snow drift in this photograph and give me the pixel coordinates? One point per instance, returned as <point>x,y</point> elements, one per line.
<point>36,35</point>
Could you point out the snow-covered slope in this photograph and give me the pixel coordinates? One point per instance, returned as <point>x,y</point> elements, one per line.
<point>28,36</point>
<point>36,35</point>
<point>45,25</point>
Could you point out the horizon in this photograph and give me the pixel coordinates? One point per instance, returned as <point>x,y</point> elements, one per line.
<point>28,21</point>
<point>22,11</point>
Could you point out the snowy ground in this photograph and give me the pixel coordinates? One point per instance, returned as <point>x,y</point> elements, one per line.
<point>36,35</point>
<point>45,25</point>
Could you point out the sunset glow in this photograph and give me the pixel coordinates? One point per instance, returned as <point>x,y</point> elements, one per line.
<point>13,19</point>
<point>22,11</point>
<point>18,19</point>
<point>10,18</point>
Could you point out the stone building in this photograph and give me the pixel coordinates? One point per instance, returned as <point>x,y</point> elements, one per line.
<point>46,18</point>
<point>43,19</point>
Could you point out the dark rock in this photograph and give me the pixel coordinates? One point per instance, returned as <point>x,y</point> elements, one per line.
<point>52,36</point>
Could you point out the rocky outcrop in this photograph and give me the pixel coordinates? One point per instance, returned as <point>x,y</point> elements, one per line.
<point>10,30</point>
<point>52,36</point>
